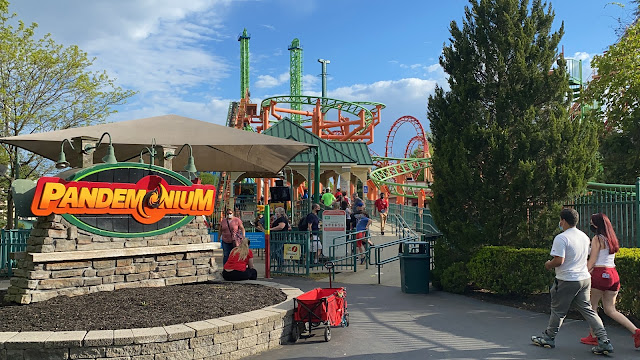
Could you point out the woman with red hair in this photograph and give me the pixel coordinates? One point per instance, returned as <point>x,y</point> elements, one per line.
<point>605,282</point>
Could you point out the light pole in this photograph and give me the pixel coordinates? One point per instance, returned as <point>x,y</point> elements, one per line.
<point>324,76</point>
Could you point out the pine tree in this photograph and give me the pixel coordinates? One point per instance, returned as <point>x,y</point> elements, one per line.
<point>505,148</point>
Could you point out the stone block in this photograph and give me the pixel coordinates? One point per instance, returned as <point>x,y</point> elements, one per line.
<point>68,265</point>
<point>142,267</point>
<point>73,291</point>
<point>105,272</point>
<point>72,233</point>
<point>124,262</point>
<point>100,246</point>
<point>59,283</point>
<point>64,245</point>
<point>158,242</point>
<point>28,340</point>
<point>100,239</point>
<point>224,337</point>
<point>103,287</point>
<point>189,279</point>
<point>180,240</point>
<point>123,351</point>
<point>240,321</point>
<point>223,326</point>
<point>55,233</point>
<point>166,258</point>
<point>23,283</point>
<point>37,296</point>
<point>4,336</point>
<point>48,354</point>
<point>259,348</point>
<point>263,338</point>
<point>153,283</point>
<point>90,273</point>
<point>184,264</point>
<point>136,277</point>
<point>149,335</point>
<point>250,331</point>
<point>247,342</point>
<point>123,337</point>
<point>229,346</point>
<point>164,347</point>
<point>173,281</point>
<point>201,341</point>
<point>164,266</point>
<point>92,281</point>
<point>203,328</point>
<point>178,332</point>
<point>103,264</point>
<point>274,344</point>
<point>83,239</point>
<point>189,271</point>
<point>202,261</point>
<point>123,270</point>
<point>65,339</point>
<point>87,353</point>
<point>98,338</point>
<point>239,354</point>
<point>127,285</point>
<point>144,259</point>
<point>163,274</point>
<point>135,243</point>
<point>177,355</point>
<point>143,357</point>
<point>112,279</point>
<point>206,351</point>
<point>67,273</point>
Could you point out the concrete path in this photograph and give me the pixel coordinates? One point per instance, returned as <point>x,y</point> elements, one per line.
<point>388,324</point>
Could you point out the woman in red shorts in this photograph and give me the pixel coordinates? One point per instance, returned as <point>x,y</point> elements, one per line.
<point>605,282</point>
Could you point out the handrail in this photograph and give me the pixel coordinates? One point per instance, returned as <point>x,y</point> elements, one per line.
<point>407,235</point>
<point>354,254</point>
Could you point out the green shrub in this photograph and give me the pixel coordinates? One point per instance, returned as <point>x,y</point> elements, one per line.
<point>506,270</point>
<point>444,255</point>
<point>455,278</point>
<point>628,266</point>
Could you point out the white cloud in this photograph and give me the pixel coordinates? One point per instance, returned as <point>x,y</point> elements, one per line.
<point>586,58</point>
<point>268,81</point>
<point>309,83</point>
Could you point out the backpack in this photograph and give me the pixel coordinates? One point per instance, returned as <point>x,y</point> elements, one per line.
<point>302,224</point>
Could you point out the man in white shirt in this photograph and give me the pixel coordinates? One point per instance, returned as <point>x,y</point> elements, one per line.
<point>572,284</point>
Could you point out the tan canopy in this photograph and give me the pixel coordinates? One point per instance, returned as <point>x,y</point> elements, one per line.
<point>215,147</point>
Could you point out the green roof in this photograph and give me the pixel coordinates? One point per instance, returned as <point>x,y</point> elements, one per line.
<point>331,152</point>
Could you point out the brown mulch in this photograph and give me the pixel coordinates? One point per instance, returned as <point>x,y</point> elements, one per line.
<point>138,308</point>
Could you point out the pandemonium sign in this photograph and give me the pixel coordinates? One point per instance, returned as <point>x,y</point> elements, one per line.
<point>124,199</point>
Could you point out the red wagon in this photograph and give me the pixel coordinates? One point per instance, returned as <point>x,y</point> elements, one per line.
<point>319,308</point>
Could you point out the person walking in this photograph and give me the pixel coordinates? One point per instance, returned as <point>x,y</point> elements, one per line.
<point>362,228</point>
<point>382,205</point>
<point>605,281</point>
<point>572,284</point>
<point>328,198</point>
<point>231,232</point>
<point>313,225</point>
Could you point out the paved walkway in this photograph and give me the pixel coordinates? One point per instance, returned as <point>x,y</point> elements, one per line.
<point>388,324</point>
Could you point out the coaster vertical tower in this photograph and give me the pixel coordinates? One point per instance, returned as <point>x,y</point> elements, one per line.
<point>295,76</point>
<point>244,63</point>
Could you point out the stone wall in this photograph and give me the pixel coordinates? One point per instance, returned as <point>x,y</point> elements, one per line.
<point>230,337</point>
<point>60,259</point>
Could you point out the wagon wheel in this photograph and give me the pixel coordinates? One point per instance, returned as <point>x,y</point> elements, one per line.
<point>295,332</point>
<point>346,319</point>
<point>327,333</point>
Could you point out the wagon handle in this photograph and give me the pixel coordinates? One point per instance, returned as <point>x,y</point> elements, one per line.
<point>330,266</point>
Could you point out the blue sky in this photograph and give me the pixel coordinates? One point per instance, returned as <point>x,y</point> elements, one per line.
<point>183,56</point>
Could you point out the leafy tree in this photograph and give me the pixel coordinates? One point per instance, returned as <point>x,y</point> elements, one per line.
<point>208,178</point>
<point>45,86</point>
<point>505,147</point>
<point>616,90</point>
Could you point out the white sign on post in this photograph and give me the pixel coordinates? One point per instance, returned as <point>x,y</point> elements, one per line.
<point>334,224</point>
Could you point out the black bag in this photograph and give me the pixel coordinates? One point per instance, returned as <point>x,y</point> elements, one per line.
<point>302,224</point>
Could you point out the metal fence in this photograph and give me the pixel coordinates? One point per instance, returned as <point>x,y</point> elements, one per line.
<point>619,202</point>
<point>11,241</point>
<point>418,219</point>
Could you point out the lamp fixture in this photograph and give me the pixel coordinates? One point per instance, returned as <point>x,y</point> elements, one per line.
<point>191,166</point>
<point>110,158</point>
<point>62,159</point>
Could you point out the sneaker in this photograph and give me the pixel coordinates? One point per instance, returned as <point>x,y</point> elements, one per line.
<point>544,340</point>
<point>636,338</point>
<point>589,340</point>
<point>603,348</point>
<point>361,261</point>
<point>381,232</point>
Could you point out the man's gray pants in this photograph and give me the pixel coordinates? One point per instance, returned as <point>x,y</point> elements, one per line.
<point>564,295</point>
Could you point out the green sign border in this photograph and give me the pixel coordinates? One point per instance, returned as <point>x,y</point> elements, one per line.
<point>126,165</point>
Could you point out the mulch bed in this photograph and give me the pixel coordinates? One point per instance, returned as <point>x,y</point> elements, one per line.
<point>138,308</point>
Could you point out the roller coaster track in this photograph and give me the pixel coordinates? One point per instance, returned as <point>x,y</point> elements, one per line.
<point>354,108</point>
<point>384,176</point>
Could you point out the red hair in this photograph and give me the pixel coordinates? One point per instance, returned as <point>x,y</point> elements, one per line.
<point>604,228</point>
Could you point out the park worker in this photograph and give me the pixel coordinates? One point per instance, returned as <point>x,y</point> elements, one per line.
<point>328,198</point>
<point>572,284</point>
<point>239,266</point>
<point>382,205</point>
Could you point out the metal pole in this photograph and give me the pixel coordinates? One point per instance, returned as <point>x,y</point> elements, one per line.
<point>267,242</point>
<point>637,212</point>
<point>316,177</point>
<point>324,76</point>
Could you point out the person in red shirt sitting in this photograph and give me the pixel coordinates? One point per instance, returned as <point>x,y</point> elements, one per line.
<point>239,266</point>
<point>382,205</point>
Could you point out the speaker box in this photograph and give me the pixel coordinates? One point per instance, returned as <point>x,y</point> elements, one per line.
<point>280,182</point>
<point>280,193</point>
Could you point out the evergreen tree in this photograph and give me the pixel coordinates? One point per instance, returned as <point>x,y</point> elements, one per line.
<point>505,149</point>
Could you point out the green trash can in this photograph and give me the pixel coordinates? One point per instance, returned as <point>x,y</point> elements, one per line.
<point>414,268</point>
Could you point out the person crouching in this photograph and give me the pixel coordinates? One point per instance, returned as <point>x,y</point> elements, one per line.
<point>239,266</point>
